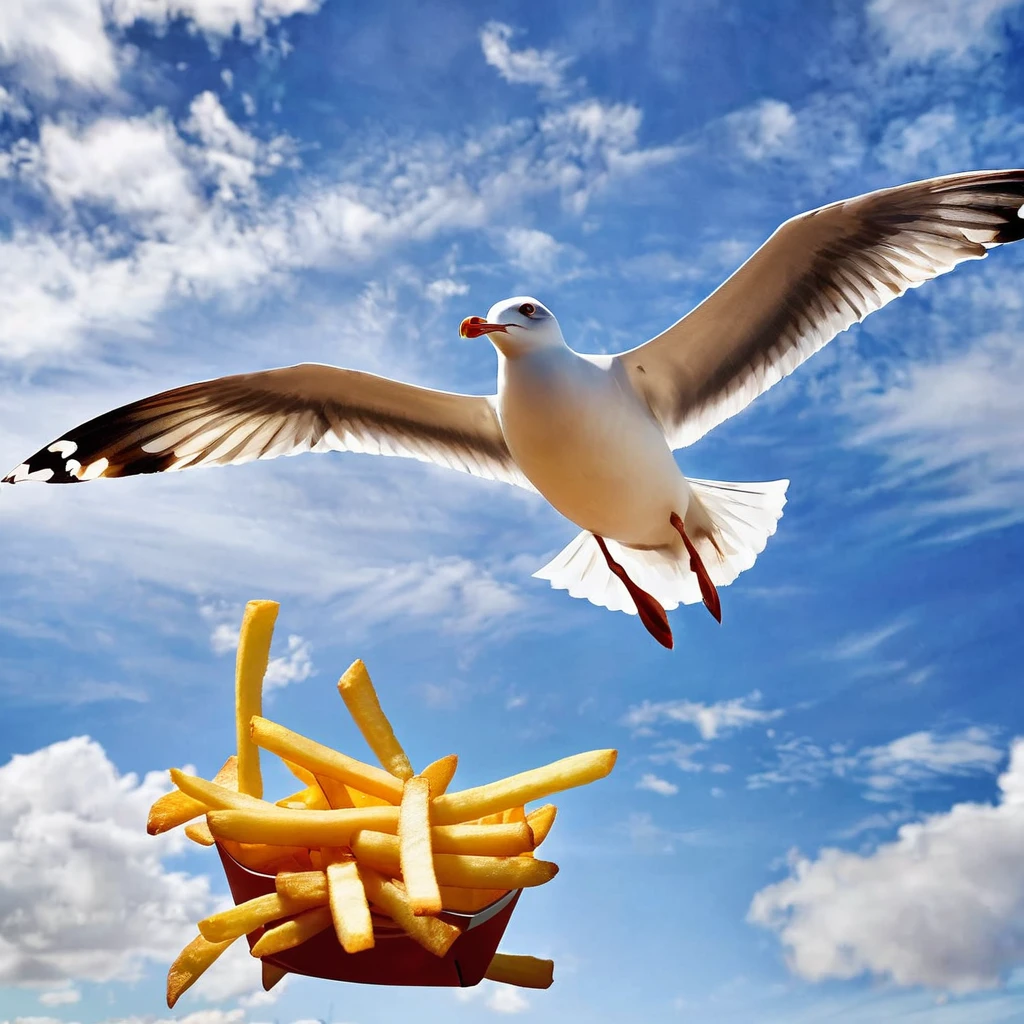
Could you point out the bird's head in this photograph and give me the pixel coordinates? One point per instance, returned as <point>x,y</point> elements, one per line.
<point>516,326</point>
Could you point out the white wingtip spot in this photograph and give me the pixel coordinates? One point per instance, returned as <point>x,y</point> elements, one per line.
<point>63,448</point>
<point>93,470</point>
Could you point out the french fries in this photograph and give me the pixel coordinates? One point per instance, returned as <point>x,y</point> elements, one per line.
<point>525,971</point>
<point>577,770</point>
<point>382,852</point>
<point>250,668</point>
<point>361,700</point>
<point>190,965</point>
<point>350,910</point>
<point>293,932</point>
<point>416,858</point>
<point>357,843</point>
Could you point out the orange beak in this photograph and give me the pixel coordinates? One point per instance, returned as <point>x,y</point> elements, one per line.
<point>474,326</point>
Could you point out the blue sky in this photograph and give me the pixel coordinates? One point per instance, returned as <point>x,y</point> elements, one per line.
<point>817,811</point>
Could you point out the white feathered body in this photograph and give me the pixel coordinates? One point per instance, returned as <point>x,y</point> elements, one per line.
<point>584,439</point>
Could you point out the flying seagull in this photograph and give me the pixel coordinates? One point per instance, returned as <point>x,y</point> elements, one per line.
<point>594,434</point>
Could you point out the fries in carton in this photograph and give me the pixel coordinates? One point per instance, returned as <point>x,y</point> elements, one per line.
<point>373,875</point>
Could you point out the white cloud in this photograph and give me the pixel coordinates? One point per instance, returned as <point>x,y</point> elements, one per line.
<point>711,720</point>
<point>535,252</point>
<point>673,752</point>
<point>496,997</point>
<point>445,288</point>
<point>73,41</point>
<point>84,893</point>
<point>11,106</point>
<point>170,238</point>
<point>59,40</point>
<point>60,996</point>
<point>763,130</point>
<point>860,645</point>
<point>918,30</point>
<point>948,427</point>
<point>293,667</point>
<point>916,761</point>
<point>506,999</point>
<point>955,927</point>
<point>134,166</point>
<point>520,67</point>
<point>654,784</point>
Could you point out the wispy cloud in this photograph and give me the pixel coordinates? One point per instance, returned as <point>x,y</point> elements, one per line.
<point>891,771</point>
<point>845,914</point>
<point>655,784</point>
<point>921,30</point>
<point>710,720</point>
<point>544,68</point>
<point>646,836</point>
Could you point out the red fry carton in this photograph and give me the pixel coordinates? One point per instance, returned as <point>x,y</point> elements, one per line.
<point>395,958</point>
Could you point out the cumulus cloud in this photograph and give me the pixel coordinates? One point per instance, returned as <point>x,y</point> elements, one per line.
<point>956,927</point>
<point>543,68</point>
<point>710,720</point>
<point>84,892</point>
<point>76,42</point>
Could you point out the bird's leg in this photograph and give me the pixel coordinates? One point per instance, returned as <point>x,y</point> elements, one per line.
<point>708,591</point>
<point>652,615</point>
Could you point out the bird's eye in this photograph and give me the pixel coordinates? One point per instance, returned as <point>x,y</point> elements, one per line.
<point>527,309</point>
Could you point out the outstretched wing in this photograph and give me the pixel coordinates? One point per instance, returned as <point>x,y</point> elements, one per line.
<point>306,408</point>
<point>818,274</point>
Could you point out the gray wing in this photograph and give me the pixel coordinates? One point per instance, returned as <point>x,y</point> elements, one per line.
<point>306,408</point>
<point>818,274</point>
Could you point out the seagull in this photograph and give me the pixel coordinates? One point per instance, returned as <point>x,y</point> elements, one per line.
<point>593,434</point>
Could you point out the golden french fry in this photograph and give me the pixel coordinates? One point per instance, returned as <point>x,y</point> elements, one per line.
<point>360,698</point>
<point>322,760</point>
<point>440,773</point>
<point>247,917</point>
<point>485,840</point>
<point>380,852</point>
<point>433,934</point>
<point>268,859</point>
<point>469,901</point>
<point>302,885</point>
<point>497,818</point>
<point>336,793</point>
<point>279,826</point>
<point>175,808</point>
<point>190,964</point>
<point>514,814</point>
<point>414,849</point>
<point>272,974</point>
<point>211,795</point>
<point>292,932</point>
<point>199,832</point>
<point>524,971</point>
<point>312,798</point>
<point>306,777</point>
<point>540,822</point>
<point>361,799</point>
<point>349,909</point>
<point>577,770</point>
<point>250,667</point>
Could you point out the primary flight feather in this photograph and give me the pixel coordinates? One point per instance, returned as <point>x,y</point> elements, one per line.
<point>593,434</point>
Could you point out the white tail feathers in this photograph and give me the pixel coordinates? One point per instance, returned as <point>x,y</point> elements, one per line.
<point>728,523</point>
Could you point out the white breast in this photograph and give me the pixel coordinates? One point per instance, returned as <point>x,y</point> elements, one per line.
<point>586,442</point>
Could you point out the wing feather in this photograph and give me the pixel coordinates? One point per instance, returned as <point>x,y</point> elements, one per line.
<point>817,275</point>
<point>287,411</point>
